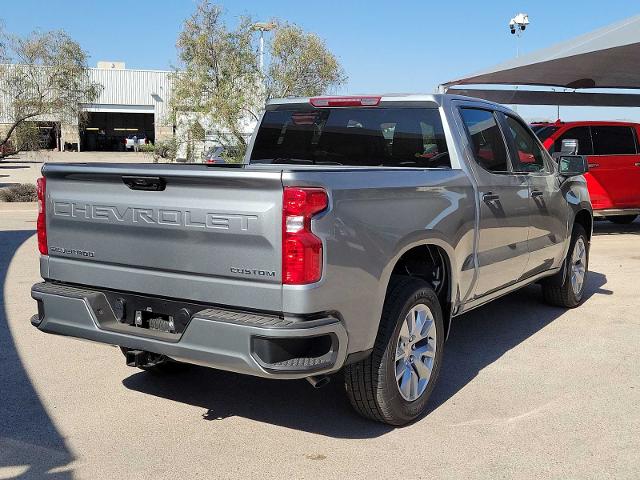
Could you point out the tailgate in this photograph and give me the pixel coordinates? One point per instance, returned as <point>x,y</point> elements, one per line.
<point>209,234</point>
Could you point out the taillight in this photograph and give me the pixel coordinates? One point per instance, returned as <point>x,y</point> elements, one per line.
<point>41,188</point>
<point>345,101</point>
<point>301,249</point>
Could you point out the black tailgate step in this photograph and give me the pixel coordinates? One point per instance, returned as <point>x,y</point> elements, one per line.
<point>304,363</point>
<point>243,318</point>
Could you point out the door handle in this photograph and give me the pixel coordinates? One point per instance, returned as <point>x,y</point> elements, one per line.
<point>537,193</point>
<point>149,184</point>
<point>637,164</point>
<point>596,165</point>
<point>490,197</point>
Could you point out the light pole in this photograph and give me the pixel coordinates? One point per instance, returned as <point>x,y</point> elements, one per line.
<point>517,25</point>
<point>263,27</point>
<point>558,105</point>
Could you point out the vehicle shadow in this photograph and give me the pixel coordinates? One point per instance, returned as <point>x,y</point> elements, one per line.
<point>30,445</point>
<point>604,227</point>
<point>482,336</point>
<point>478,339</point>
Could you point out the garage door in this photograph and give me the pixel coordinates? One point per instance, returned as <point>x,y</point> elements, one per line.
<point>107,131</point>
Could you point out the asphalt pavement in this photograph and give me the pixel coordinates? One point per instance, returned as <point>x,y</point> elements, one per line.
<point>527,391</point>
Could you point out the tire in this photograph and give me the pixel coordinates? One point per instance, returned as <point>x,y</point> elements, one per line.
<point>371,383</point>
<point>622,219</point>
<point>559,290</point>
<point>161,364</point>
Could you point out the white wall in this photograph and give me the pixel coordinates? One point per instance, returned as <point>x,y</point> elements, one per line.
<point>133,88</point>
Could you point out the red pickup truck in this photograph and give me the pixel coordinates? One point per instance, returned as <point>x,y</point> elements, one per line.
<point>613,150</point>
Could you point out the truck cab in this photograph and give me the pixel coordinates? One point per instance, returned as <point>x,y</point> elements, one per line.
<point>613,153</point>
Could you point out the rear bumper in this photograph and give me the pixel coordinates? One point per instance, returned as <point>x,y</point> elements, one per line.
<point>242,342</point>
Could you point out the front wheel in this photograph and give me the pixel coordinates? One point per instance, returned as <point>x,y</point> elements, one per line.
<point>394,383</point>
<point>566,288</point>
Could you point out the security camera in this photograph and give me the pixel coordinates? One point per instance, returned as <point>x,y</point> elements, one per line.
<point>523,27</point>
<point>513,31</point>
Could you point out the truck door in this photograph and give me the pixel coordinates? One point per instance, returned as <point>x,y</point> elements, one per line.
<point>548,213</point>
<point>615,164</point>
<point>502,252</point>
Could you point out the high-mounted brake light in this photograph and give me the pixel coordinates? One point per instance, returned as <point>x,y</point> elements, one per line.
<point>301,249</point>
<point>41,224</point>
<point>345,101</point>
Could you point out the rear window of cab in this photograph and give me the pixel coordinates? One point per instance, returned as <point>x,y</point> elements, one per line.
<point>360,136</point>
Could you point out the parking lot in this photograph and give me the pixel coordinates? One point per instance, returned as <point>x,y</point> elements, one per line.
<point>527,391</point>
<point>25,168</point>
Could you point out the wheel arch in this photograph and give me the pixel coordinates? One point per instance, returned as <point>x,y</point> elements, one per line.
<point>431,261</point>
<point>585,219</point>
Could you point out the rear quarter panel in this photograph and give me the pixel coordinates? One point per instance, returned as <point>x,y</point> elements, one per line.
<point>375,216</point>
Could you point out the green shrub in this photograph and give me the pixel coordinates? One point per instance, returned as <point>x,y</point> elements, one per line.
<point>164,150</point>
<point>147,148</point>
<point>24,192</point>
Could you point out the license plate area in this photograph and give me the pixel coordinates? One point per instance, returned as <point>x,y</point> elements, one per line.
<point>151,320</point>
<point>148,316</point>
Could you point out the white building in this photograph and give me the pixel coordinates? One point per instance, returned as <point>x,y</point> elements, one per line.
<point>131,102</point>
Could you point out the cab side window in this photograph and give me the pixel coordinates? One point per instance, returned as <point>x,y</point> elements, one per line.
<point>582,134</point>
<point>486,138</point>
<point>613,140</point>
<point>529,156</point>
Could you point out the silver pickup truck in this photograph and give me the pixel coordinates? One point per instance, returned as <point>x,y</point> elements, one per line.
<point>356,229</point>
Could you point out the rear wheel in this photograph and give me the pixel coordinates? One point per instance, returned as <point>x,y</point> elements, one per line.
<point>566,288</point>
<point>622,219</point>
<point>394,383</point>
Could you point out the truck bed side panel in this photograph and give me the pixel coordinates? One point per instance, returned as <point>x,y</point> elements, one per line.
<point>375,216</point>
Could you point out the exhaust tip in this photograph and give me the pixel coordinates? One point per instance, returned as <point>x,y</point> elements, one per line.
<point>319,382</point>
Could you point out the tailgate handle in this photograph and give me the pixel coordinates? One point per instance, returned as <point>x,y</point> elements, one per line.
<point>149,184</point>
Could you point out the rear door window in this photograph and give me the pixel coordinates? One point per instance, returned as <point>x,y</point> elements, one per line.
<point>544,131</point>
<point>529,156</point>
<point>486,139</point>
<point>612,140</point>
<point>582,134</point>
<point>397,137</point>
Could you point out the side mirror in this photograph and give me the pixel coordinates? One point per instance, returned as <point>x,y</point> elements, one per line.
<point>572,165</point>
<point>569,146</point>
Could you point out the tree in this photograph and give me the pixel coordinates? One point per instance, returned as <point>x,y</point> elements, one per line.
<point>301,65</point>
<point>43,76</point>
<point>219,78</point>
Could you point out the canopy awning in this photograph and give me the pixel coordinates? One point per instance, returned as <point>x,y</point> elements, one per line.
<point>606,58</point>
<point>538,97</point>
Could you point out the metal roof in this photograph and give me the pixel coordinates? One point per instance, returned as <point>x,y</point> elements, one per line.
<point>535,97</point>
<point>605,58</point>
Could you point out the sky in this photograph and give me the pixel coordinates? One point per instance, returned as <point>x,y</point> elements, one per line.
<point>384,46</point>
